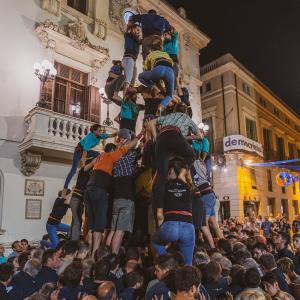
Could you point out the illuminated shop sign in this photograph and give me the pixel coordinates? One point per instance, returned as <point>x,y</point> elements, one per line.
<point>240,142</point>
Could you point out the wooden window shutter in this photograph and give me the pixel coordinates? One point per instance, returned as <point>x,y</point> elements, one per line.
<point>94,104</point>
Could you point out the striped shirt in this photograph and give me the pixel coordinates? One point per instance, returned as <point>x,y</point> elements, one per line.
<point>180,120</point>
<point>199,175</point>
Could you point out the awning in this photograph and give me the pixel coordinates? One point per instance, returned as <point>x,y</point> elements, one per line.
<point>292,164</point>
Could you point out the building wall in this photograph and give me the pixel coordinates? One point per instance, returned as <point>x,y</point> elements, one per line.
<point>20,90</point>
<point>257,103</point>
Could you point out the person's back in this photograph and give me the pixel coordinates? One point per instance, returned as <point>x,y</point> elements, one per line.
<point>23,285</point>
<point>152,24</point>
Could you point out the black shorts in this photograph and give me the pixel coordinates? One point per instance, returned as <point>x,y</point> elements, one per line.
<point>199,218</point>
<point>96,202</point>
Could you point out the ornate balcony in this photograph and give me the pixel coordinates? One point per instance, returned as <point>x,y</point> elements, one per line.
<point>51,136</point>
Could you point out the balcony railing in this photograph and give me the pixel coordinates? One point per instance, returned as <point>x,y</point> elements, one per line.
<point>54,135</point>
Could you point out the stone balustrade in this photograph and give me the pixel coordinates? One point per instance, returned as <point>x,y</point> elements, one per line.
<point>52,135</point>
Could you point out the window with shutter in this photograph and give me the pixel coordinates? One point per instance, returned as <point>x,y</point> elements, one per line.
<point>72,96</point>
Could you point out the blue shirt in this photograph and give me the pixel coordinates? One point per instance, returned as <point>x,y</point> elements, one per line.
<point>201,146</point>
<point>116,69</point>
<point>172,46</point>
<point>129,110</point>
<point>91,140</point>
<point>3,259</point>
<point>266,227</point>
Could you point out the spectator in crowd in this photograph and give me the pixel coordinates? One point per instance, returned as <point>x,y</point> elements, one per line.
<point>23,283</point>
<point>259,249</point>
<point>69,253</point>
<point>3,258</point>
<point>71,280</point>
<point>287,267</point>
<point>6,274</point>
<point>296,224</point>
<point>272,287</point>
<point>296,242</point>
<point>282,242</point>
<point>187,282</point>
<point>214,282</point>
<point>269,266</point>
<point>51,262</point>
<point>266,227</point>
<point>107,291</point>
<point>17,249</point>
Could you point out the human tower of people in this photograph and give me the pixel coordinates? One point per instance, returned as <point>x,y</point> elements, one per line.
<point>108,253</point>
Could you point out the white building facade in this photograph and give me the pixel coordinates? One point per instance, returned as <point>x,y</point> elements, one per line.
<point>80,38</point>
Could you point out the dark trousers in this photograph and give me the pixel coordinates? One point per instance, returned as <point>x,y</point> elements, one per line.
<point>167,143</point>
<point>114,86</point>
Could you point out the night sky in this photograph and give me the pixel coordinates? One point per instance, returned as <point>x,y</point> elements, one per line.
<point>264,35</point>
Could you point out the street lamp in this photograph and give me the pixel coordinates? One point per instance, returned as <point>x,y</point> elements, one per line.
<point>107,121</point>
<point>44,71</point>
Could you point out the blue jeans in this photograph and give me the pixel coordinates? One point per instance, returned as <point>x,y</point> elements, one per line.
<point>75,164</point>
<point>174,231</point>
<point>209,203</point>
<point>149,78</point>
<point>52,231</point>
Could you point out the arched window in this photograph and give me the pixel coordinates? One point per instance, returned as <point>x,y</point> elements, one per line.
<point>127,13</point>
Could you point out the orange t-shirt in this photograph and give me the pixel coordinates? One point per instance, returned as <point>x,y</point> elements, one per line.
<point>105,162</point>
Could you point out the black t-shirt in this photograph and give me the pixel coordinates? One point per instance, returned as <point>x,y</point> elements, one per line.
<point>178,202</point>
<point>82,179</point>
<point>123,187</point>
<point>151,106</point>
<point>58,211</point>
<point>100,179</point>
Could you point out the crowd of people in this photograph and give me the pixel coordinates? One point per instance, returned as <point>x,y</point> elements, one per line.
<point>144,222</point>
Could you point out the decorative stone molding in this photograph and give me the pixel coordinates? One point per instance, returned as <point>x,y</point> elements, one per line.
<point>97,64</point>
<point>52,6</point>
<point>76,30</point>
<point>100,29</point>
<point>30,162</point>
<point>75,36</point>
<point>116,8</point>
